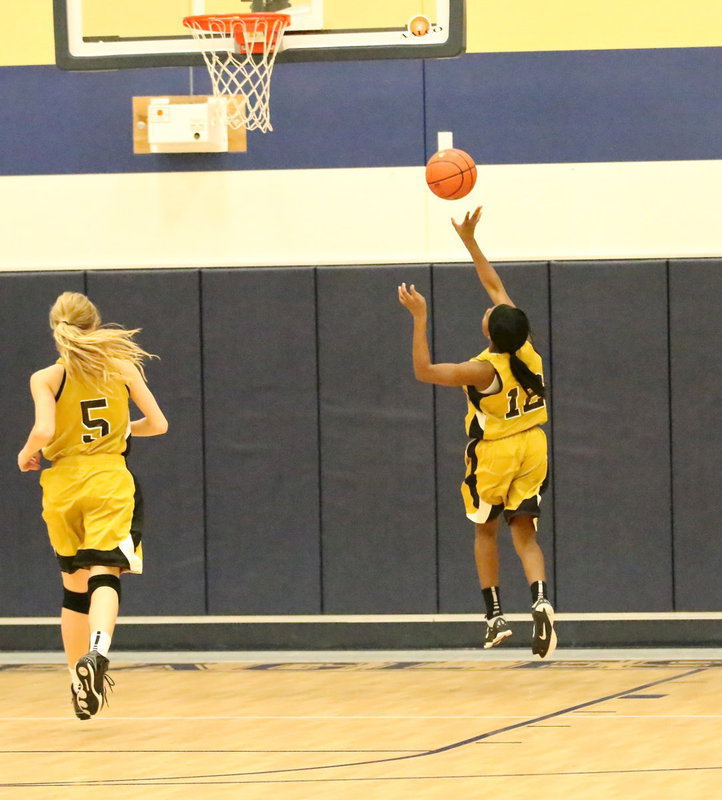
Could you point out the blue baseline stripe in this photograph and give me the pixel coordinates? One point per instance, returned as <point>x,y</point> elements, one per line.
<point>504,108</point>
<point>580,106</point>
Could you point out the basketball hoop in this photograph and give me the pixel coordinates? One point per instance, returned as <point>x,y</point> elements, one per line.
<point>239,51</point>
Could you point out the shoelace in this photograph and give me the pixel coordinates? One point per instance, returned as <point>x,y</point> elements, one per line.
<point>108,683</point>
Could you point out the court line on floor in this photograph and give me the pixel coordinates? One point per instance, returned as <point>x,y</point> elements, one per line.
<point>396,778</point>
<point>579,715</point>
<point>180,780</point>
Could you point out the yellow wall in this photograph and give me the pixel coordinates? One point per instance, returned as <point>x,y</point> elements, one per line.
<point>515,25</point>
<point>27,36</point>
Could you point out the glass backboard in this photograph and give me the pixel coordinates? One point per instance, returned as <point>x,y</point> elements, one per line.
<point>113,34</point>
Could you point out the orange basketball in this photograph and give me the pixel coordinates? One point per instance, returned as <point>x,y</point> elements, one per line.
<point>451,174</point>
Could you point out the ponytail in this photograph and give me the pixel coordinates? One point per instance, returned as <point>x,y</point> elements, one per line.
<point>530,381</point>
<point>88,348</point>
<point>508,330</point>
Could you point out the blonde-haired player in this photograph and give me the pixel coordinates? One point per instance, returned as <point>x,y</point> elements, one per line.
<point>91,502</point>
<point>506,457</point>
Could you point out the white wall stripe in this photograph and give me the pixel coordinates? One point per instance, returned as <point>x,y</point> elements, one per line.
<point>381,619</point>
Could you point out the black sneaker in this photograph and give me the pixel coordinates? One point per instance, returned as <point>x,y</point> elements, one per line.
<point>80,713</point>
<point>497,630</point>
<point>544,637</point>
<point>91,671</point>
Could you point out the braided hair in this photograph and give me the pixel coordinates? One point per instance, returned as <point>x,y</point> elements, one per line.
<point>508,330</point>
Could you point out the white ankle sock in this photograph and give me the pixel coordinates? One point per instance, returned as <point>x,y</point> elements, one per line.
<point>100,642</point>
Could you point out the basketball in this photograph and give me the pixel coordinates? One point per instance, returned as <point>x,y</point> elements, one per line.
<point>451,174</point>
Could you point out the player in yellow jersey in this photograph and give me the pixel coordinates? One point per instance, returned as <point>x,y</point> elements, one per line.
<point>506,457</point>
<point>91,502</point>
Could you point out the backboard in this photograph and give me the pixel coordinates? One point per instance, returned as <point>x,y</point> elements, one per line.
<point>98,34</point>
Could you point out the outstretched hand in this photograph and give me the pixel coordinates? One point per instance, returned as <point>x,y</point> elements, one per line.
<point>466,227</point>
<point>412,300</point>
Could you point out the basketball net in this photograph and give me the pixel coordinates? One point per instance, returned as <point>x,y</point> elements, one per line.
<point>239,51</point>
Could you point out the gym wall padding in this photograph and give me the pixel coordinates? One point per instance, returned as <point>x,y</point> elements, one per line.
<point>696,366</point>
<point>458,307</point>
<point>611,436</point>
<point>307,471</point>
<point>377,452</point>
<point>29,575</point>
<point>168,468</point>
<point>261,441</point>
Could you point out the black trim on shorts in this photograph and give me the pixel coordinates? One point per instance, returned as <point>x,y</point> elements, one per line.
<point>100,558</point>
<point>67,564</point>
<point>529,507</point>
<point>137,523</point>
<point>470,479</point>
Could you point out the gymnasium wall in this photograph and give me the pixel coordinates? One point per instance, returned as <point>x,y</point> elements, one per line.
<point>596,131</point>
<point>305,470</point>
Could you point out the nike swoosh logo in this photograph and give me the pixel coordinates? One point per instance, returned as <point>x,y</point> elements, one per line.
<point>543,635</point>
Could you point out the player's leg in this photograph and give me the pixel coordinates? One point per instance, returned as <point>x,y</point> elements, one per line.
<point>523,534</point>
<point>522,512</point>
<point>523,531</point>
<point>74,614</point>
<point>104,594</point>
<point>74,628</point>
<point>111,545</point>
<point>483,490</point>
<point>486,556</point>
<point>64,520</point>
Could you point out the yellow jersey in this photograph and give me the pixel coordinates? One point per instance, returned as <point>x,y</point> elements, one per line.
<point>90,419</point>
<point>509,410</point>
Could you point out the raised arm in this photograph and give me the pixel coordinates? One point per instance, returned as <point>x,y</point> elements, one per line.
<point>488,276</point>
<point>466,373</point>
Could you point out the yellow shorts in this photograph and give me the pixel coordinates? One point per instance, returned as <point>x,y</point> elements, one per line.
<point>506,474</point>
<point>94,510</point>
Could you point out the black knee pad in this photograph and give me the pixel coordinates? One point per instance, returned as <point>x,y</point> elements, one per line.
<point>96,581</point>
<point>76,601</point>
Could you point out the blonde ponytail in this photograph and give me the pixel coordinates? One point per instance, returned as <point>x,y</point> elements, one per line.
<point>88,348</point>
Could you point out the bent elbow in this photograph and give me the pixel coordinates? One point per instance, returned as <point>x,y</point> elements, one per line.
<point>44,433</point>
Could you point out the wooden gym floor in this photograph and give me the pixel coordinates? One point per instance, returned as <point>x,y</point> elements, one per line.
<point>589,725</point>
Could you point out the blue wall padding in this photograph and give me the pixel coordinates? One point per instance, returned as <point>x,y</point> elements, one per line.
<point>603,105</point>
<point>169,468</point>
<point>611,436</point>
<point>29,573</point>
<point>504,108</point>
<point>459,305</point>
<point>696,364</point>
<point>306,470</point>
<point>377,447</point>
<point>261,441</point>
<point>338,114</point>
